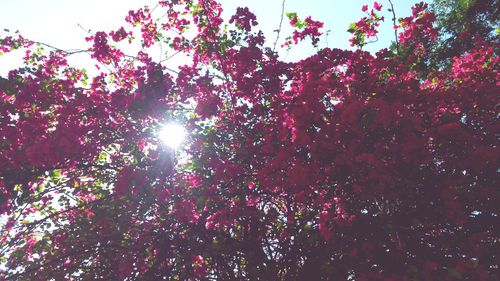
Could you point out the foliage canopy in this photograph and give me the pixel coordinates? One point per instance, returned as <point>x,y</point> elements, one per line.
<point>343,166</point>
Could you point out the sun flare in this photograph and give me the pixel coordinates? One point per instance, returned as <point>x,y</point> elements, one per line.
<point>172,135</point>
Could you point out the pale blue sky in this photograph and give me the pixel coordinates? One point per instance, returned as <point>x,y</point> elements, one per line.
<point>56,21</point>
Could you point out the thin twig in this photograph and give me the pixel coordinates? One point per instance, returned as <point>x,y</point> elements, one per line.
<point>66,52</point>
<point>154,8</point>
<point>171,56</point>
<point>394,24</point>
<point>89,31</point>
<point>279,27</point>
<point>371,41</point>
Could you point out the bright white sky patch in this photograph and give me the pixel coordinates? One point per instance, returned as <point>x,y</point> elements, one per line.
<point>64,24</point>
<point>172,135</point>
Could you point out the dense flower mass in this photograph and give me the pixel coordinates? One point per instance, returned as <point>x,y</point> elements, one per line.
<point>346,165</point>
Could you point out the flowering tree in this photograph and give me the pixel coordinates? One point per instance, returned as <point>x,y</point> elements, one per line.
<point>460,23</point>
<point>342,166</point>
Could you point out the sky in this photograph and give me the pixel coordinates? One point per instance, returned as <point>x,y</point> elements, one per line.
<point>64,23</point>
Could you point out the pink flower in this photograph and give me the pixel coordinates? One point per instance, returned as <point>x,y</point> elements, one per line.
<point>251,185</point>
<point>364,8</point>
<point>377,6</point>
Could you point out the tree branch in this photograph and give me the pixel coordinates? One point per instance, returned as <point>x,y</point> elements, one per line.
<point>394,23</point>
<point>279,27</point>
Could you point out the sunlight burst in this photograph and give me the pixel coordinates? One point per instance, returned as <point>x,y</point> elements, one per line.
<point>172,135</point>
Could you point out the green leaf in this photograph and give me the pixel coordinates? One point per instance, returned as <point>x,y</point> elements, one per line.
<point>56,173</point>
<point>103,157</point>
<point>290,16</point>
<point>352,27</point>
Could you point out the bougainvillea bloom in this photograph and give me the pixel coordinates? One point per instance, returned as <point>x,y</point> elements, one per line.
<point>346,165</point>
